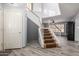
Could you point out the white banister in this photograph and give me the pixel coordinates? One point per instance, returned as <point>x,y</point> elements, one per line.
<point>41,40</point>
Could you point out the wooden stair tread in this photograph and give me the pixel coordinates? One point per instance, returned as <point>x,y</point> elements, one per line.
<point>48,37</point>
<point>49,41</point>
<point>50,45</point>
<point>47,34</point>
<point>45,29</point>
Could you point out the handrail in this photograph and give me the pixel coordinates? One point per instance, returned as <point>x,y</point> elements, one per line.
<point>33,12</point>
<point>55,37</point>
<point>57,27</point>
<point>35,15</point>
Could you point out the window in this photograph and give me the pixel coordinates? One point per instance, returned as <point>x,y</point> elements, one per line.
<point>60,26</point>
<point>29,5</point>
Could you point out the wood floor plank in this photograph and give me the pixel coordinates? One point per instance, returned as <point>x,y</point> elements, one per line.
<point>68,48</point>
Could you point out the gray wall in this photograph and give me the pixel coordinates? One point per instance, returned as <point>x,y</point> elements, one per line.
<point>32,31</point>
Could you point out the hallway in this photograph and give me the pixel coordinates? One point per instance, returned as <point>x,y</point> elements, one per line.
<point>68,48</point>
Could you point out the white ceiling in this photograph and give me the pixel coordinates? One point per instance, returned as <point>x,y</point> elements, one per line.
<point>14,5</point>
<point>46,9</point>
<point>68,11</point>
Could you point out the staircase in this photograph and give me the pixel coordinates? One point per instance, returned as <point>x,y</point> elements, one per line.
<point>46,39</point>
<point>49,41</point>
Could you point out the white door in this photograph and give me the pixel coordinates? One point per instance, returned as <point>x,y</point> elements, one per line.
<point>1,30</point>
<point>12,29</point>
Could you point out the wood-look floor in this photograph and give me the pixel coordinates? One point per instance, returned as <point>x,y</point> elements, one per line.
<point>68,48</point>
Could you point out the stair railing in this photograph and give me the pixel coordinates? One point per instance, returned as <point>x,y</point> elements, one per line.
<point>40,30</point>
<point>54,24</point>
<point>57,28</point>
<point>53,34</point>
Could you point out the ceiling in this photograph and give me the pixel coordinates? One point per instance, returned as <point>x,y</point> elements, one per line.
<point>68,11</point>
<point>14,5</point>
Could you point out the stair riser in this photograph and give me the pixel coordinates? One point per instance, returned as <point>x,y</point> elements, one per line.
<point>46,30</point>
<point>51,41</point>
<point>51,46</point>
<point>47,34</point>
<point>47,37</point>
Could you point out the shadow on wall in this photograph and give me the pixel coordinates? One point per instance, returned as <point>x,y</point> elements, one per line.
<point>32,32</point>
